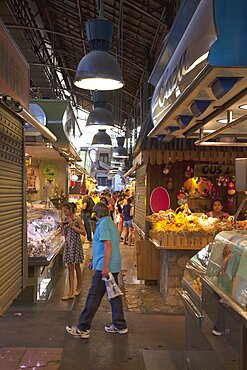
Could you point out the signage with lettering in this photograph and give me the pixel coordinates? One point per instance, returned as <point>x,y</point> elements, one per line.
<point>50,171</point>
<point>188,60</point>
<point>210,170</point>
<point>14,70</point>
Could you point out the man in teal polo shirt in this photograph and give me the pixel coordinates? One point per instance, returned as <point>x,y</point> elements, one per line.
<point>106,258</point>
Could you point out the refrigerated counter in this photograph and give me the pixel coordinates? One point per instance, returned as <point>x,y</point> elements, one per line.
<point>45,244</point>
<point>215,297</point>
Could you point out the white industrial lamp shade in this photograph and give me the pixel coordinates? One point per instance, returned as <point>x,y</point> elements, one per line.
<point>100,116</point>
<point>102,139</point>
<point>99,70</point>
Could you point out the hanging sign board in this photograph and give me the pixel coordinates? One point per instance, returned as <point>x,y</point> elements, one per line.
<point>14,70</point>
<point>50,171</point>
<point>159,200</point>
<point>187,61</point>
<point>210,170</point>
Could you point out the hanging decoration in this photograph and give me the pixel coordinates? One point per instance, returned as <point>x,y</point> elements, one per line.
<point>83,187</point>
<point>189,171</point>
<point>167,169</point>
<point>182,196</point>
<point>170,185</point>
<point>74,178</point>
<point>231,188</point>
<point>198,187</point>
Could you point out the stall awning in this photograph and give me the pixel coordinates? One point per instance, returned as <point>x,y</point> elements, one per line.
<point>137,162</point>
<point>61,121</point>
<point>203,86</point>
<point>35,123</point>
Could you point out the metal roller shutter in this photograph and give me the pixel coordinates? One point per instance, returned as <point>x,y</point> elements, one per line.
<point>12,232</point>
<point>140,198</point>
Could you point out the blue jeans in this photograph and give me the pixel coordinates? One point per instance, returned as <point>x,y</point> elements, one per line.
<point>86,220</point>
<point>94,298</point>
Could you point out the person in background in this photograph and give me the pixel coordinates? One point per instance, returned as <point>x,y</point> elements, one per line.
<point>112,206</point>
<point>72,228</point>
<point>217,210</point>
<point>104,200</point>
<point>119,215</point>
<point>95,197</point>
<point>127,194</point>
<point>128,212</point>
<point>87,210</point>
<point>93,220</point>
<point>106,258</point>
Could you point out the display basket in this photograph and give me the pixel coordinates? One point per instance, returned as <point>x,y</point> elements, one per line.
<point>179,241</point>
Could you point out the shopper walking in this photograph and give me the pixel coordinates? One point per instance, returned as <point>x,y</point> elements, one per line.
<point>87,210</point>
<point>106,258</point>
<point>128,212</point>
<point>73,253</point>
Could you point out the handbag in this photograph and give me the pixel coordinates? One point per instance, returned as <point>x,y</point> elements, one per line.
<point>112,289</point>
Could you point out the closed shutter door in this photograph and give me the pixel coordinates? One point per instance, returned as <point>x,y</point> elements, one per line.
<point>140,198</point>
<point>11,208</point>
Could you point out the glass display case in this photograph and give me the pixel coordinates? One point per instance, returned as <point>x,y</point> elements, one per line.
<point>44,236</point>
<point>227,268</point>
<point>44,245</point>
<point>194,270</point>
<point>215,298</point>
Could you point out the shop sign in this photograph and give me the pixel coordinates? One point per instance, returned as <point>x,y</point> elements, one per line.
<point>50,171</point>
<point>210,170</point>
<point>14,70</point>
<point>188,60</point>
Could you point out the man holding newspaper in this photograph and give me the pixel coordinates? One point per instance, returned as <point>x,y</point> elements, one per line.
<point>106,259</point>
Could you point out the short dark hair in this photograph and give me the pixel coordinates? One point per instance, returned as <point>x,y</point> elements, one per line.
<point>218,200</point>
<point>101,210</point>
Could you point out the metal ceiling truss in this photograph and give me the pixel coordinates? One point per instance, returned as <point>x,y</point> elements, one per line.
<point>55,36</point>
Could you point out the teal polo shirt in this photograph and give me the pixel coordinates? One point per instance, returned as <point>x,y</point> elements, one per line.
<point>106,229</point>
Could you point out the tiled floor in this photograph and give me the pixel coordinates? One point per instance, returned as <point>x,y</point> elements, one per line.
<point>33,336</point>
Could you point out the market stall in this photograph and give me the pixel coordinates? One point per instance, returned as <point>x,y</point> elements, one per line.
<point>198,125</point>
<point>14,116</point>
<point>177,236</point>
<point>44,242</point>
<point>200,95</point>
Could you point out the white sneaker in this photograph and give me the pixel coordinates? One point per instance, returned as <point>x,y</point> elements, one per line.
<point>113,329</point>
<point>216,332</point>
<point>219,333</point>
<point>77,333</point>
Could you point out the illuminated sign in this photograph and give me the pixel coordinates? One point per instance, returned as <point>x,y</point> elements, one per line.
<point>188,60</point>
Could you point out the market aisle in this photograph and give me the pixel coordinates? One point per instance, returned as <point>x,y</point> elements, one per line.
<point>35,334</point>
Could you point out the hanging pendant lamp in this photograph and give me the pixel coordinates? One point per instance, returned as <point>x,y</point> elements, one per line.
<point>99,70</point>
<point>100,115</point>
<point>120,151</point>
<point>102,139</point>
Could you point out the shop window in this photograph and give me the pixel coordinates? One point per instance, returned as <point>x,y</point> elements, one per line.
<point>104,157</point>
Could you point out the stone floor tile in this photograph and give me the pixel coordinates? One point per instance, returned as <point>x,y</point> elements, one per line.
<point>40,357</point>
<point>10,358</point>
